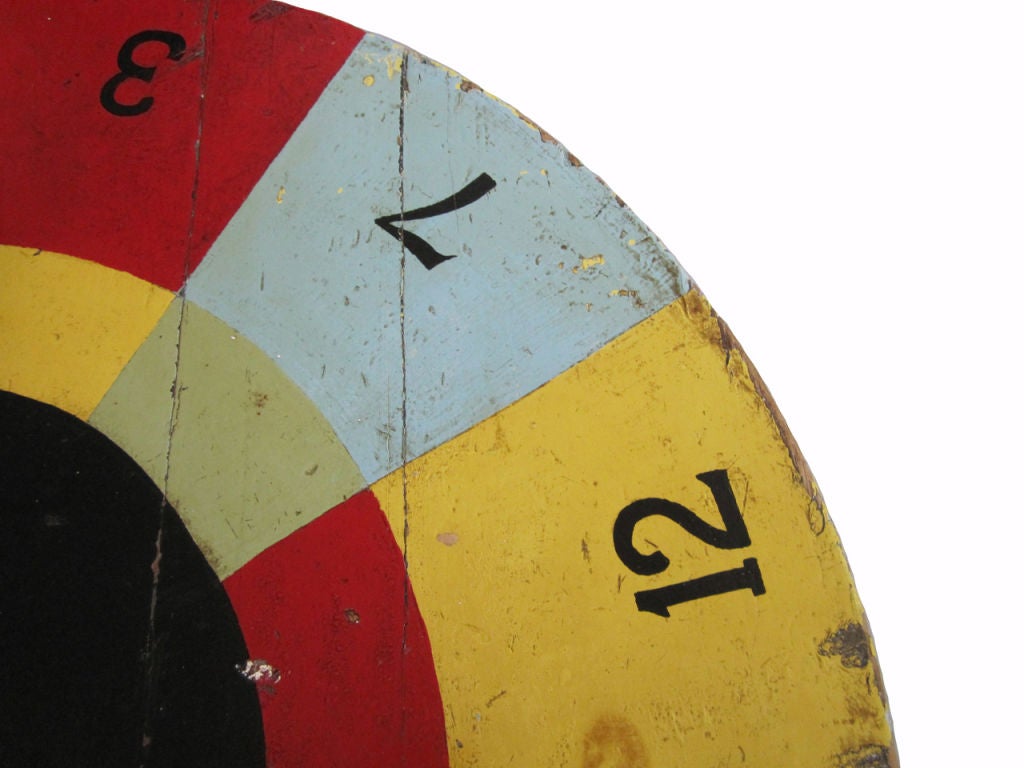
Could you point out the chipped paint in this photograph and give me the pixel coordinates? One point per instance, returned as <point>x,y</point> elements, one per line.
<point>869,756</point>
<point>581,460</point>
<point>260,672</point>
<point>497,231</point>
<point>542,660</point>
<point>850,644</point>
<point>586,262</point>
<point>803,470</point>
<point>394,65</point>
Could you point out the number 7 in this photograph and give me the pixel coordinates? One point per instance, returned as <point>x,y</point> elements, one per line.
<point>419,247</point>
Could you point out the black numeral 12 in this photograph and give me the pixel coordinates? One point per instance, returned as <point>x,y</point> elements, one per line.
<point>733,536</point>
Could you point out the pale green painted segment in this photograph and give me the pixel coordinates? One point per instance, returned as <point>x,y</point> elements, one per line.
<point>251,458</point>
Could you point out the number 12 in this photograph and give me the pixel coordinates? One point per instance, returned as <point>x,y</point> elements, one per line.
<point>733,536</point>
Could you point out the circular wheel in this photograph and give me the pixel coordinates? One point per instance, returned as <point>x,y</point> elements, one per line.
<point>408,422</point>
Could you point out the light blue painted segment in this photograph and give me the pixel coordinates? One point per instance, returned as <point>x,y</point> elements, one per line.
<point>549,266</point>
<point>303,271</point>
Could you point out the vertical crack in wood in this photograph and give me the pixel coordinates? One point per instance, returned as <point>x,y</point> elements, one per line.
<point>151,640</point>
<point>403,96</point>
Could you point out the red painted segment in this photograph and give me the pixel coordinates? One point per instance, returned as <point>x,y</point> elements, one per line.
<point>330,608</point>
<point>119,190</point>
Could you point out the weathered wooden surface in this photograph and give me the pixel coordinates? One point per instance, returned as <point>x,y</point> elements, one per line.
<point>425,395</point>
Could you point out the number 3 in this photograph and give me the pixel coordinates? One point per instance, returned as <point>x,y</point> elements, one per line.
<point>131,71</point>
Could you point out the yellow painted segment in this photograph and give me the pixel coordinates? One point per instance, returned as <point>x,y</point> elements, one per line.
<point>542,654</point>
<point>68,326</point>
<point>251,458</point>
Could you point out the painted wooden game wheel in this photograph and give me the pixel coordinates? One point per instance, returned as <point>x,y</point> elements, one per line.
<point>348,420</point>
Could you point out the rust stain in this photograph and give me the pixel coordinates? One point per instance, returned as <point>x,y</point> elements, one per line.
<point>585,549</point>
<point>869,756</point>
<point>259,399</point>
<point>544,135</point>
<point>850,644</point>
<point>614,742</point>
<point>352,615</point>
<point>468,85</point>
<point>695,303</point>
<point>731,344</point>
<point>549,139</point>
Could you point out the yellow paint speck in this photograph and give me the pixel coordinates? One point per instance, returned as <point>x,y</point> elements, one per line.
<point>368,80</point>
<point>280,195</point>
<point>523,173</point>
<point>394,65</point>
<point>543,171</point>
<point>588,262</point>
<point>632,241</point>
<point>623,292</point>
<point>340,190</point>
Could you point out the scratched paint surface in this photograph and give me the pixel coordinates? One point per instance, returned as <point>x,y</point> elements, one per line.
<point>483,476</point>
<point>141,193</point>
<point>549,267</point>
<point>185,416</point>
<point>536,633</point>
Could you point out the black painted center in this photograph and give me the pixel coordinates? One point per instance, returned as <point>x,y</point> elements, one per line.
<point>93,670</point>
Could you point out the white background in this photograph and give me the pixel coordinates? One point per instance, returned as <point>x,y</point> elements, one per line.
<point>845,182</point>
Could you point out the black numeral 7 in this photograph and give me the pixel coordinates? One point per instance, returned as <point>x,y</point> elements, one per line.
<point>419,247</point>
<point>733,536</point>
